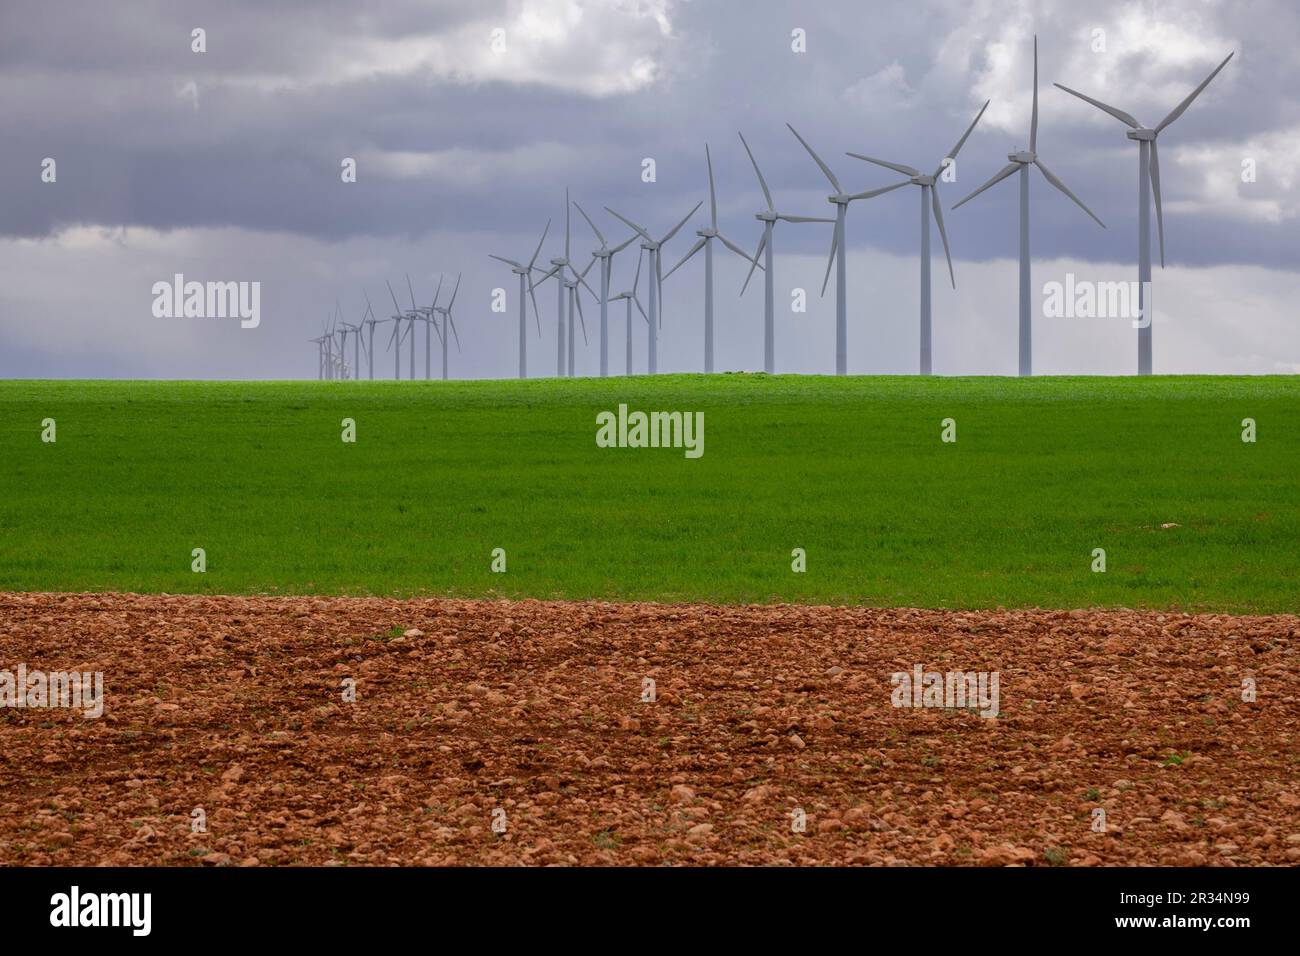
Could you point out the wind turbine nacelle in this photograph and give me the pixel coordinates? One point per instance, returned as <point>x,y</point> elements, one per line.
<point>1142,134</point>
<point>765,216</point>
<point>839,199</point>
<point>706,233</point>
<point>1024,157</point>
<point>923,180</point>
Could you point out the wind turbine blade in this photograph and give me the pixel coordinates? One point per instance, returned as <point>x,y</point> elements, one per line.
<point>394,295</point>
<point>870,193</point>
<point>1119,114</point>
<point>1051,178</point>
<point>453,292</point>
<point>637,302</point>
<point>1155,191</point>
<point>1033,122</point>
<point>624,244</point>
<point>897,167</point>
<point>396,327</point>
<point>452,323</point>
<point>637,277</point>
<point>713,198</point>
<point>767,193</point>
<point>736,249</point>
<point>694,249</point>
<point>438,291</point>
<point>590,223</point>
<point>582,320</point>
<point>538,250</point>
<point>675,228</point>
<point>835,238</point>
<point>509,262</point>
<point>582,281</point>
<point>411,290</point>
<point>952,153</point>
<point>943,233</point>
<point>1000,175</point>
<point>817,159</point>
<point>553,271</point>
<point>537,313</point>
<point>566,222</point>
<point>630,223</point>
<point>367,295</point>
<point>762,243</point>
<point>804,218</point>
<point>1181,107</point>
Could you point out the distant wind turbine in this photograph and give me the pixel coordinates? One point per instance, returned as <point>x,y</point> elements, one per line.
<point>768,218</point>
<point>525,285</point>
<point>655,247</point>
<point>1148,183</point>
<point>929,204</point>
<point>1020,161</point>
<point>631,298</point>
<point>447,320</point>
<point>840,199</point>
<point>705,242</point>
<point>371,322</point>
<point>606,256</point>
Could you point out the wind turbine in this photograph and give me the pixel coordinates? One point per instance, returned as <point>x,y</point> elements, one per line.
<point>606,256</point>
<point>654,247</point>
<point>424,315</point>
<point>631,297</point>
<point>558,265</point>
<point>705,242</point>
<point>768,218</point>
<point>1020,161</point>
<point>525,274</point>
<point>447,320</point>
<point>1148,183</point>
<point>320,356</point>
<point>575,302</point>
<point>399,336</point>
<point>371,322</point>
<point>840,199</point>
<point>327,334</point>
<point>929,202</point>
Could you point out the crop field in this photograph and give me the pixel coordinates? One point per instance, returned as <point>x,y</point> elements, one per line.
<point>852,471</point>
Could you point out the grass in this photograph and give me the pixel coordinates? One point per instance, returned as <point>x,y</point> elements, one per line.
<point>852,470</point>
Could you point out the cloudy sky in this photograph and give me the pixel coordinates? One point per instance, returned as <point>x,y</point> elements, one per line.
<point>467,119</point>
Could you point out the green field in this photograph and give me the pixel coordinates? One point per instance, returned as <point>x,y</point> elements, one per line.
<point>852,470</point>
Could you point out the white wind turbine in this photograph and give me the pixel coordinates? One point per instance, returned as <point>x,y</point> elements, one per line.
<point>558,265</point>
<point>425,315</point>
<point>525,275</point>
<point>655,248</point>
<point>631,298</point>
<point>606,256</point>
<point>1148,183</point>
<point>1020,161</point>
<point>370,322</point>
<point>447,320</point>
<point>929,204</point>
<point>399,336</point>
<point>768,218</point>
<point>705,242</point>
<point>840,199</point>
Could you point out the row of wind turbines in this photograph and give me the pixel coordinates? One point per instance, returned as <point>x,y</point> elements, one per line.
<point>570,281</point>
<point>333,340</point>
